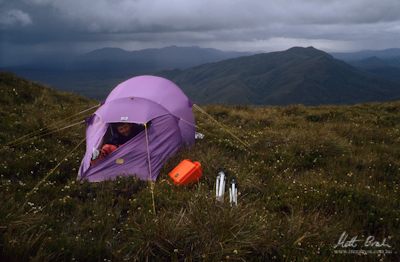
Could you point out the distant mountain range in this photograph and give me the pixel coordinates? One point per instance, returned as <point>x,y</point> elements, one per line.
<point>93,74</point>
<point>298,75</point>
<point>381,63</point>
<point>148,60</point>
<point>386,68</point>
<point>360,55</point>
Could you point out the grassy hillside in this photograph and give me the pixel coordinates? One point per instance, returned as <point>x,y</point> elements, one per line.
<point>311,174</point>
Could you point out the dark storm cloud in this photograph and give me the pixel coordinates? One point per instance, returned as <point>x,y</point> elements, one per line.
<point>44,25</point>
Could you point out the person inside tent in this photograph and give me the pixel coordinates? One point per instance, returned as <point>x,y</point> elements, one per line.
<point>119,134</point>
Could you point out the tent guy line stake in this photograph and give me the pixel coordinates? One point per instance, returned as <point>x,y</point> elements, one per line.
<point>36,187</point>
<point>150,176</point>
<point>38,131</point>
<point>222,126</point>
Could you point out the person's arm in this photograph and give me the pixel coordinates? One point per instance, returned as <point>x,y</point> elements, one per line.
<point>107,149</point>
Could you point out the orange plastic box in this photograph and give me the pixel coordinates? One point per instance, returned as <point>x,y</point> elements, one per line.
<point>186,172</point>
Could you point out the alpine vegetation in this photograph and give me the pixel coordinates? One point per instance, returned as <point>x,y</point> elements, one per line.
<point>312,183</point>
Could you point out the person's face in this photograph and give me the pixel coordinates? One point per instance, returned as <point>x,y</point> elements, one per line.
<point>125,129</point>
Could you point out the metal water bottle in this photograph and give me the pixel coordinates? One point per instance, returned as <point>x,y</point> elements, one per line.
<point>220,186</point>
<point>233,193</point>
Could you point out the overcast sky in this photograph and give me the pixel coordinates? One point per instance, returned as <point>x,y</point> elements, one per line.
<point>30,28</point>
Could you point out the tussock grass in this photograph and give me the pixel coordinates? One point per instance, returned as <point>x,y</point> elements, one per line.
<point>311,173</point>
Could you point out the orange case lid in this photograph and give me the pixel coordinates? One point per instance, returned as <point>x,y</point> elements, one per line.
<point>185,172</point>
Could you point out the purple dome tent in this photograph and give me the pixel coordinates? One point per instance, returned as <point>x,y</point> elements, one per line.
<point>139,100</point>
